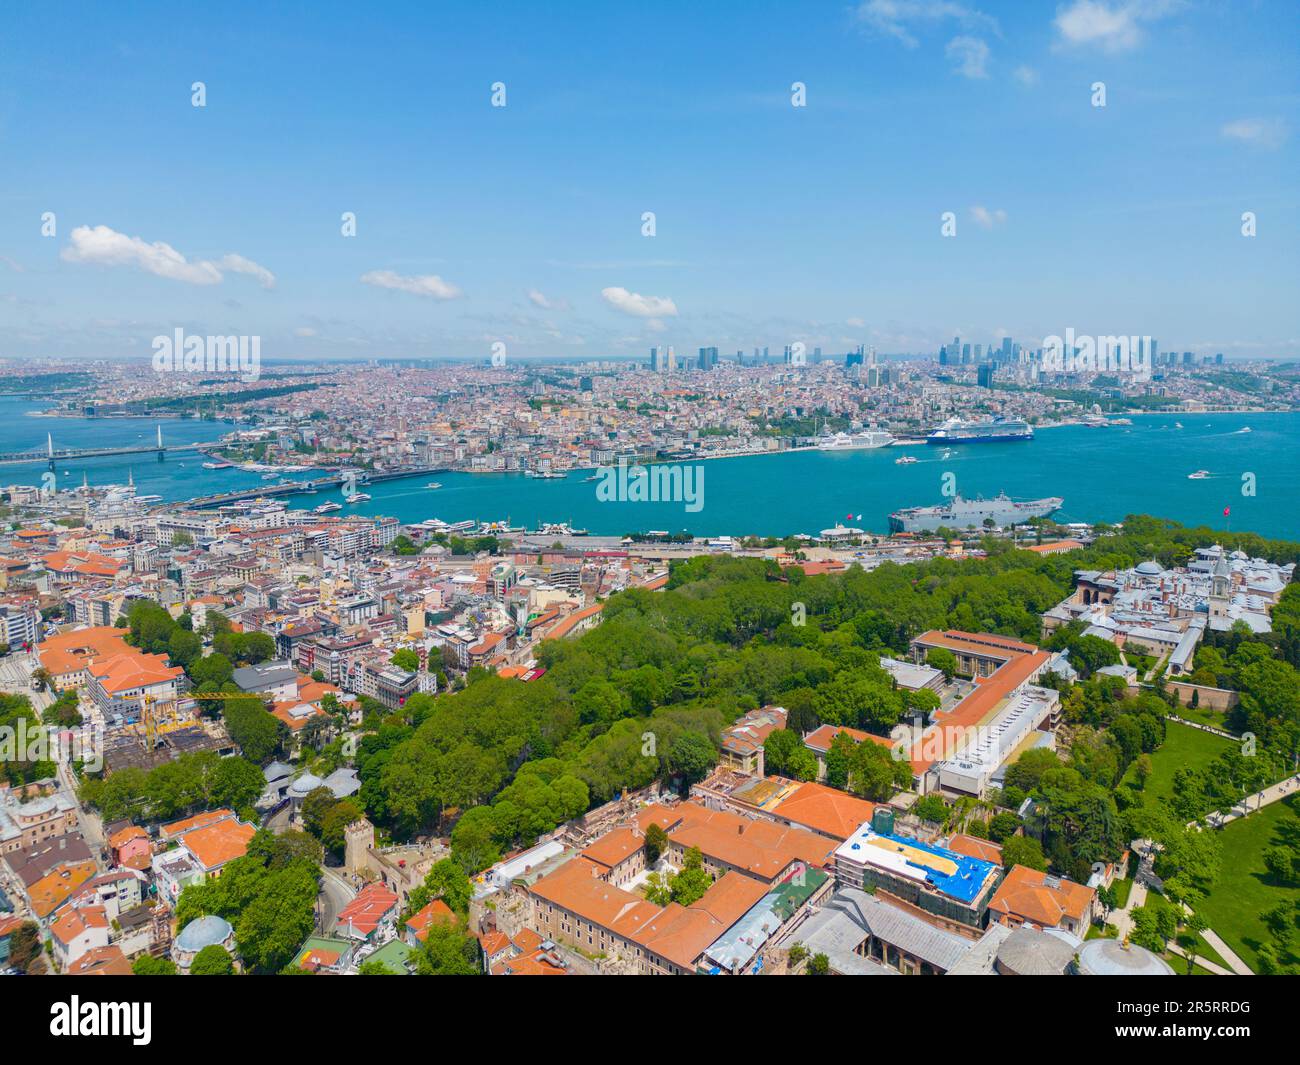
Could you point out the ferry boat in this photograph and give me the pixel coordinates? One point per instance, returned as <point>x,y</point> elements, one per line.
<point>905,460</point>
<point>997,430</point>
<point>359,497</point>
<point>961,513</point>
<point>218,465</point>
<point>545,475</point>
<point>327,508</point>
<point>433,484</point>
<point>1199,475</point>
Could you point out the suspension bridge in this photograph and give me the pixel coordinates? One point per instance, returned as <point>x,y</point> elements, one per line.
<point>52,455</point>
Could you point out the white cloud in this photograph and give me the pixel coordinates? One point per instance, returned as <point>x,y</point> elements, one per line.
<point>639,306</point>
<point>1027,76</point>
<point>898,18</point>
<point>420,285</point>
<point>304,331</point>
<point>540,299</point>
<point>1114,28</point>
<point>857,323</point>
<point>1261,132</point>
<point>107,247</point>
<point>987,219</point>
<point>969,56</point>
<point>237,264</point>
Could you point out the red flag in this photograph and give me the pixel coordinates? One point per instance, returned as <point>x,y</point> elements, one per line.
<point>1227,511</point>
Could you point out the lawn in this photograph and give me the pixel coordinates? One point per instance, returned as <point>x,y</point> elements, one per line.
<point>1183,746</point>
<point>1204,714</point>
<point>1122,889</point>
<point>1244,889</point>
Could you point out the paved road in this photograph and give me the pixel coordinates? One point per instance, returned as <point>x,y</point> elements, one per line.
<point>336,891</point>
<point>16,678</point>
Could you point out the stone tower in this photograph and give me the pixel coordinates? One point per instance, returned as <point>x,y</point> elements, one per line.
<point>359,841</point>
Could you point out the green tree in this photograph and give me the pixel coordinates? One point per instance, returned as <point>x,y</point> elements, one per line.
<point>212,960</point>
<point>405,658</point>
<point>656,842</point>
<point>942,659</point>
<point>1023,850</point>
<point>448,950</point>
<point>148,965</point>
<point>693,881</point>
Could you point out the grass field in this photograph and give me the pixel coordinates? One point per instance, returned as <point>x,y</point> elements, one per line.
<point>1244,890</point>
<point>1183,746</point>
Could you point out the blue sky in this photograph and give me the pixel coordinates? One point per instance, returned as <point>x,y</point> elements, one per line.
<point>773,223</point>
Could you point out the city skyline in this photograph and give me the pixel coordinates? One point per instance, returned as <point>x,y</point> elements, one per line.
<point>774,223</point>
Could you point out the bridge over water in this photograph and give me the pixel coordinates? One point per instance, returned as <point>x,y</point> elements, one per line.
<point>52,454</point>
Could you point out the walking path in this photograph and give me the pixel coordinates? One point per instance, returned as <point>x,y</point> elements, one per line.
<point>1202,727</point>
<point>1123,919</point>
<point>1226,953</point>
<point>1271,794</point>
<point>1203,962</point>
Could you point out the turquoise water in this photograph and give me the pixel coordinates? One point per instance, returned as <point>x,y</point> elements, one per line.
<point>1102,474</point>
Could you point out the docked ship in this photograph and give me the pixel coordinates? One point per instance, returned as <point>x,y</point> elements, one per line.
<point>961,513</point>
<point>859,441</point>
<point>997,430</point>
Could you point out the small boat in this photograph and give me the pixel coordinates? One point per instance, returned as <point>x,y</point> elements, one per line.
<point>1247,429</point>
<point>359,497</point>
<point>1199,475</point>
<point>905,460</point>
<point>433,484</point>
<point>1178,425</point>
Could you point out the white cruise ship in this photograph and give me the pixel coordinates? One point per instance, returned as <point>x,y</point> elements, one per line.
<point>860,441</point>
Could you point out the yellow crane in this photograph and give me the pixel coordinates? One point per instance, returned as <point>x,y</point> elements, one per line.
<point>149,716</point>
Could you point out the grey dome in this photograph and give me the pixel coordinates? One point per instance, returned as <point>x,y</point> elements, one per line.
<point>304,785</point>
<point>203,932</point>
<point>1110,957</point>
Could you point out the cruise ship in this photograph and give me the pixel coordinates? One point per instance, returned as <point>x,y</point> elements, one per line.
<point>860,441</point>
<point>962,513</point>
<point>956,431</point>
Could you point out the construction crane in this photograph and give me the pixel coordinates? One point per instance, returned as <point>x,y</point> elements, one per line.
<point>150,718</point>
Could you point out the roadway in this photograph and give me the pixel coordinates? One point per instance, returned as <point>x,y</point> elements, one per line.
<point>336,891</point>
